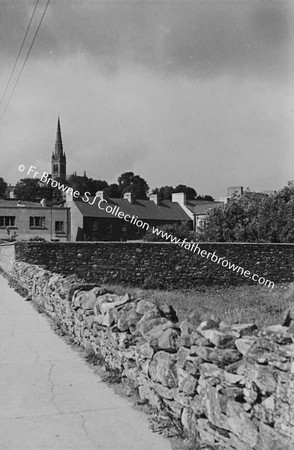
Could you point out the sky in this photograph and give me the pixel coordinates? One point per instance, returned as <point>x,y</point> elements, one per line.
<point>179,92</point>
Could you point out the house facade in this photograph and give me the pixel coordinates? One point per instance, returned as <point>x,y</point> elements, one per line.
<point>27,220</point>
<point>101,218</point>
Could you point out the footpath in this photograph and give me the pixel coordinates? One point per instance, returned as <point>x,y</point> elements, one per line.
<point>50,398</point>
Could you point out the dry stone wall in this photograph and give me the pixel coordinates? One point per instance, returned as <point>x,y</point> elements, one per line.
<point>231,387</point>
<point>7,256</point>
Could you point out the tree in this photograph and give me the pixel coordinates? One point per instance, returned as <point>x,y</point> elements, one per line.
<point>189,191</point>
<point>32,189</point>
<point>84,184</point>
<point>113,191</point>
<point>3,187</point>
<point>253,217</point>
<point>165,192</point>
<point>206,198</point>
<point>97,185</point>
<point>128,182</point>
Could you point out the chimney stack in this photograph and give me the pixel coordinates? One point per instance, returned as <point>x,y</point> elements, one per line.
<point>154,198</point>
<point>179,197</point>
<point>101,195</point>
<point>128,196</point>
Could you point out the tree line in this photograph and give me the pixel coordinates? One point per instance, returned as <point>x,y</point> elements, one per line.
<point>32,189</point>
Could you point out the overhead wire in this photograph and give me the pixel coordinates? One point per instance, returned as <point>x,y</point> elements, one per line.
<point>26,58</point>
<point>19,52</point>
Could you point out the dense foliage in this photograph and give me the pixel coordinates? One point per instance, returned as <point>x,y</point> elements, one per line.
<point>3,187</point>
<point>84,184</point>
<point>129,182</point>
<point>253,217</point>
<point>32,189</point>
<point>165,193</point>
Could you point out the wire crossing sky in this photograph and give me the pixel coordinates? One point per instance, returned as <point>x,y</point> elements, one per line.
<point>26,58</point>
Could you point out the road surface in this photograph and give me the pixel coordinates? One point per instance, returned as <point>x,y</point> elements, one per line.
<point>50,398</point>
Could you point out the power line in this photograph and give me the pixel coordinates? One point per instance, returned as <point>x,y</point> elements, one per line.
<point>26,58</point>
<point>19,52</point>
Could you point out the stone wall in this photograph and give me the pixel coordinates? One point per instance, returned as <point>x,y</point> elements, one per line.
<point>7,256</point>
<point>160,265</point>
<point>231,387</point>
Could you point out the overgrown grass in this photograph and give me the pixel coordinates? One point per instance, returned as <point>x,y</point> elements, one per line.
<point>232,304</point>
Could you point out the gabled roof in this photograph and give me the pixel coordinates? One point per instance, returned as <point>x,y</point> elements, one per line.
<point>144,209</point>
<point>200,207</point>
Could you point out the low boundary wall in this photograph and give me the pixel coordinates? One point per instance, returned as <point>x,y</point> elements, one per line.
<point>160,265</point>
<point>7,256</point>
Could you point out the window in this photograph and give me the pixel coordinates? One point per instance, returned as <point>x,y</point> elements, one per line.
<point>95,225</point>
<point>7,221</point>
<point>37,222</point>
<point>55,167</point>
<point>109,228</point>
<point>124,228</point>
<point>137,230</point>
<point>59,226</point>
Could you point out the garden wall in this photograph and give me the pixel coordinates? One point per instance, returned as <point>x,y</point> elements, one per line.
<point>230,387</point>
<point>160,265</point>
<point>7,256</point>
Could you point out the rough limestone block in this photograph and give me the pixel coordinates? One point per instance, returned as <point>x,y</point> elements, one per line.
<point>220,339</point>
<point>162,369</point>
<point>244,344</point>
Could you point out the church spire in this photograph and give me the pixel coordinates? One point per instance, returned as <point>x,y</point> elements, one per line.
<point>58,160</point>
<point>58,142</point>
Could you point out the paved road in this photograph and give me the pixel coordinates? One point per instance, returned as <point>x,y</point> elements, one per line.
<point>50,398</point>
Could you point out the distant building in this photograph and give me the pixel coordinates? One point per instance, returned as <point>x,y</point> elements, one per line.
<point>58,160</point>
<point>239,191</point>
<point>89,222</point>
<point>235,190</point>
<point>26,220</point>
<point>9,191</point>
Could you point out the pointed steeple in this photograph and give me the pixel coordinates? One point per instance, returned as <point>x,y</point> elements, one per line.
<point>58,142</point>
<point>58,160</point>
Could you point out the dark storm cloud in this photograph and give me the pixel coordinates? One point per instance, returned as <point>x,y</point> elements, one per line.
<point>195,38</point>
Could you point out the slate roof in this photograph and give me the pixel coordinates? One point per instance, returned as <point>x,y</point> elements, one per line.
<point>201,207</point>
<point>144,209</point>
